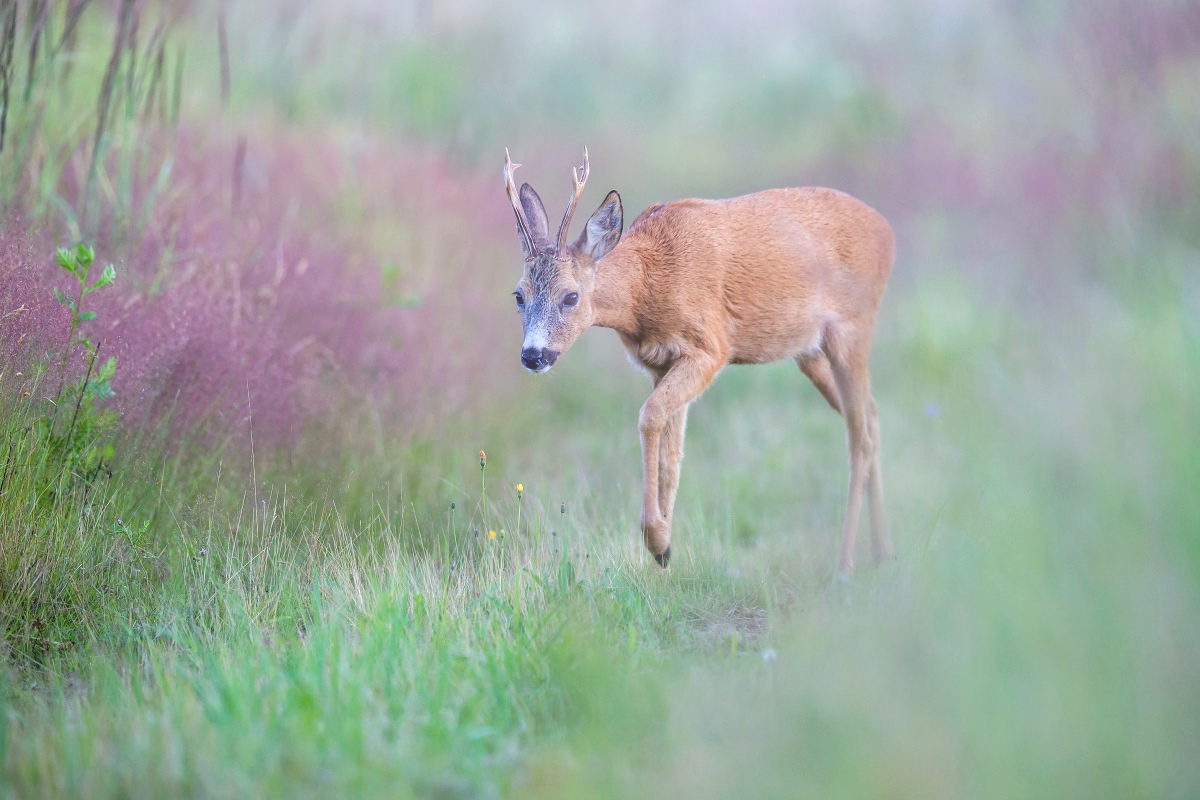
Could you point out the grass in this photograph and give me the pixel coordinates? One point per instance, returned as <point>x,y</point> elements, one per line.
<point>325,614</point>
<point>1043,612</point>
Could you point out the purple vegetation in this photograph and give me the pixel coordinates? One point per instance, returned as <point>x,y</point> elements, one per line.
<point>281,307</point>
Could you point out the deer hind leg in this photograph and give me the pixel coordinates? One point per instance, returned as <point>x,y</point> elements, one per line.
<point>816,367</point>
<point>678,386</point>
<point>853,383</point>
<point>881,541</point>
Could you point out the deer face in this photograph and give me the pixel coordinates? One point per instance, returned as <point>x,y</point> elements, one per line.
<point>554,295</point>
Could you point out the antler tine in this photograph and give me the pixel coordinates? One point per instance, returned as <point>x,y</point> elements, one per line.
<point>580,177</point>
<point>514,198</point>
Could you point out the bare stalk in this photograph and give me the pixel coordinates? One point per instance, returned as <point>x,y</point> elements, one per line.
<point>66,42</point>
<point>8,39</point>
<point>124,24</point>
<point>177,88</point>
<point>41,9</point>
<point>7,467</point>
<point>223,45</point>
<point>239,168</point>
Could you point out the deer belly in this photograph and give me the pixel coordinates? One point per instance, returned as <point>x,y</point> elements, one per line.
<point>764,344</point>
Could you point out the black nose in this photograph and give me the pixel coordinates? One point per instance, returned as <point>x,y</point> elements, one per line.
<point>534,358</point>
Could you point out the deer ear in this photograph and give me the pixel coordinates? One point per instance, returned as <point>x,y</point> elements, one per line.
<point>603,228</point>
<point>535,214</point>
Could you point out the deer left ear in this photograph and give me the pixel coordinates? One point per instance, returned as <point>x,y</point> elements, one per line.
<point>603,228</point>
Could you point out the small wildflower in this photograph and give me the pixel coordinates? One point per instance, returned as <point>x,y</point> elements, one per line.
<point>520,490</point>
<point>491,534</point>
<point>562,509</point>
<point>482,459</point>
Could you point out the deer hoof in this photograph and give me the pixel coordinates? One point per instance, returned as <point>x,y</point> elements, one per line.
<point>664,558</point>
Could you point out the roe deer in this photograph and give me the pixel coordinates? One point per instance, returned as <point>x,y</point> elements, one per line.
<point>698,284</point>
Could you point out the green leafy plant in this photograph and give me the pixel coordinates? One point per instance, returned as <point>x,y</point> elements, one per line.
<point>79,445</point>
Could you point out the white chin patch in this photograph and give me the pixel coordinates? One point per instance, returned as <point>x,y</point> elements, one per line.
<point>540,370</point>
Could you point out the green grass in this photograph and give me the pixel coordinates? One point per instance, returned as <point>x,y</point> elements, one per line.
<point>1037,636</point>
<point>227,623</point>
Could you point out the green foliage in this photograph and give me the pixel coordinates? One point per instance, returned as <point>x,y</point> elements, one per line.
<point>1043,610</point>
<point>81,92</point>
<point>73,434</point>
<point>325,628</point>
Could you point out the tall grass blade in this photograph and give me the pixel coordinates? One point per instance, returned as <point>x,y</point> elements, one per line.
<point>8,42</point>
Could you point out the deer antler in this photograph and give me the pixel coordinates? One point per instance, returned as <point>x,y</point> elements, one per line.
<point>515,199</point>
<point>580,177</point>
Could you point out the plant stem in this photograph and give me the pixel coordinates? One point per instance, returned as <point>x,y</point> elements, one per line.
<point>7,466</point>
<point>82,391</point>
<point>518,532</point>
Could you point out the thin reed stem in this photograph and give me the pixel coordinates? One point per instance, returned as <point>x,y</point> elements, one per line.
<point>104,102</point>
<point>223,48</point>
<point>8,40</point>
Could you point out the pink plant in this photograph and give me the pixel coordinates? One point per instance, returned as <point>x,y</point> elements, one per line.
<point>281,308</point>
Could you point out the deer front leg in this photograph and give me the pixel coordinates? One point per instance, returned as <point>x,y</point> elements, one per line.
<point>681,384</point>
<point>670,459</point>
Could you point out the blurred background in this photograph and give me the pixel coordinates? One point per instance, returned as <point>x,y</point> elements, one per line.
<point>1026,153</point>
<point>304,204</point>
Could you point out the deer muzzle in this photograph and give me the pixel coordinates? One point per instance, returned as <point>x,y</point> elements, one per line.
<point>538,359</point>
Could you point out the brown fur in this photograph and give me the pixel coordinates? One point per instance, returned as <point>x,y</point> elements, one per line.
<point>697,284</point>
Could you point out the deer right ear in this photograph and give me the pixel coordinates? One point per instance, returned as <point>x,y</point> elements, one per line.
<point>603,228</point>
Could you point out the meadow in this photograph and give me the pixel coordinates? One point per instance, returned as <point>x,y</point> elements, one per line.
<point>255,556</point>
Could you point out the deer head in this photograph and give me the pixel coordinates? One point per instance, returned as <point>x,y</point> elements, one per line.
<point>554,295</point>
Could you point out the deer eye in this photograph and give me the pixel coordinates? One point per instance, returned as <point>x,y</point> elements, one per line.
<point>571,300</point>
<point>520,299</point>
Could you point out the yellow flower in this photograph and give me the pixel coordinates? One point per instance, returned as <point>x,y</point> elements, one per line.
<point>520,489</point>
<point>491,534</point>
<point>482,459</point>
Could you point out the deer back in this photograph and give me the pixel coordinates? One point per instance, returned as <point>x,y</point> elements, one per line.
<point>749,279</point>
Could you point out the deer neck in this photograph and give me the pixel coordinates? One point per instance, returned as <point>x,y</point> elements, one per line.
<point>614,297</point>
